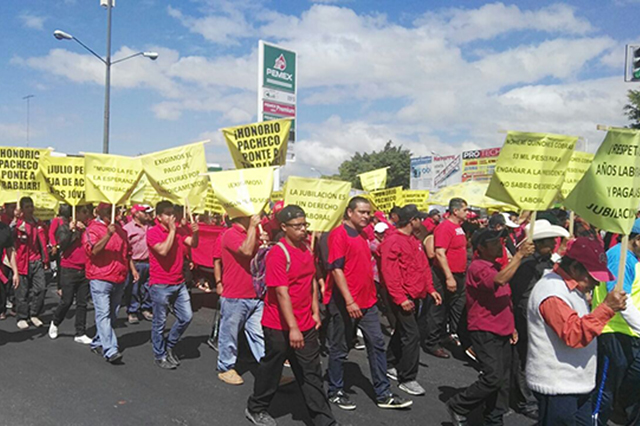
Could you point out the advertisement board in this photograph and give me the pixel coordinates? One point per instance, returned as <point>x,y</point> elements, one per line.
<point>478,164</point>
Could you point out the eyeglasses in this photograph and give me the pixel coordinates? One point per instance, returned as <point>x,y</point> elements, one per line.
<point>298,226</point>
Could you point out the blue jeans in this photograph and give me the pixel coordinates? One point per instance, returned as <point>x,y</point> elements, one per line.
<point>106,301</point>
<point>161,296</point>
<point>340,336</point>
<point>235,314</point>
<point>140,293</point>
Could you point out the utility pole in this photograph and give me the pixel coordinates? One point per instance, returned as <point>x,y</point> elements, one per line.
<point>107,82</point>
<point>28,98</point>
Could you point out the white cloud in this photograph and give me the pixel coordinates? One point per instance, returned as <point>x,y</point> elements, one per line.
<point>14,132</point>
<point>32,21</point>
<point>222,29</point>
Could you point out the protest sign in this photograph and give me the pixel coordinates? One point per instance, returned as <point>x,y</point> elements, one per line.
<point>530,169</point>
<point>45,205</point>
<point>375,179</point>
<point>415,196</point>
<point>258,145</point>
<point>210,204</point>
<point>608,194</point>
<point>243,192</point>
<point>110,178</point>
<point>323,201</point>
<point>578,166</point>
<point>21,171</point>
<point>144,193</point>
<point>385,199</point>
<point>277,196</point>
<point>178,173</point>
<point>65,177</point>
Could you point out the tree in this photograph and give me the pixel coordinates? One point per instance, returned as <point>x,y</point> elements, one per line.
<point>632,109</point>
<point>397,159</point>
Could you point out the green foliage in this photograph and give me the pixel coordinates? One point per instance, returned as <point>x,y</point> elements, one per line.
<point>632,109</point>
<point>397,159</point>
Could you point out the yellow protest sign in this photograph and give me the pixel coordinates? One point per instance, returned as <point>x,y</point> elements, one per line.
<point>578,166</point>
<point>277,196</point>
<point>258,145</point>
<point>386,199</point>
<point>65,176</point>
<point>210,204</point>
<point>323,201</point>
<point>608,195</point>
<point>243,192</point>
<point>178,173</point>
<point>110,178</point>
<point>530,169</point>
<point>144,193</point>
<point>20,170</point>
<point>375,179</point>
<point>416,196</point>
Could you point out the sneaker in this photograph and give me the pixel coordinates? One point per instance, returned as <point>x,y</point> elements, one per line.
<point>456,419</point>
<point>115,358</point>
<point>3,316</point>
<point>97,350</point>
<point>342,400</point>
<point>394,401</point>
<point>147,315</point>
<point>84,339</point>
<point>454,340</point>
<point>172,357</point>
<point>412,388</point>
<point>359,346</point>
<point>213,344</point>
<point>53,331</point>
<point>231,377</point>
<point>165,364</point>
<point>22,324</point>
<point>36,322</point>
<point>261,419</point>
<point>133,319</point>
<point>471,353</point>
<point>392,373</point>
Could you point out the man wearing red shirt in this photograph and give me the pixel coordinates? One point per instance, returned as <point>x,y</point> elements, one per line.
<point>351,298</point>
<point>291,321</point>
<point>32,259</point>
<point>212,341</point>
<point>73,280</point>
<point>167,283</point>
<point>407,276</point>
<point>240,305</point>
<point>491,327</point>
<point>108,262</point>
<point>450,266</point>
<point>432,221</point>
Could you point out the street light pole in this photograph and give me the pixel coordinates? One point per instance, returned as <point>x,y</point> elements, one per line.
<point>27,98</point>
<point>107,83</point>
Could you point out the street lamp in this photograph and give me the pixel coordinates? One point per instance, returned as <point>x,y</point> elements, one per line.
<point>61,35</point>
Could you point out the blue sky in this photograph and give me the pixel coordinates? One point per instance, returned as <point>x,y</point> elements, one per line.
<point>432,75</point>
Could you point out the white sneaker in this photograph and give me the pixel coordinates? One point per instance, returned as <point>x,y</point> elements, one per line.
<point>53,331</point>
<point>23,324</point>
<point>84,339</point>
<point>36,321</point>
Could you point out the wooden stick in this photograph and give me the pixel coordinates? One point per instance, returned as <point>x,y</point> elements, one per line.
<point>532,223</point>
<point>187,209</point>
<point>572,220</point>
<point>113,213</point>
<point>623,260</point>
<point>73,213</point>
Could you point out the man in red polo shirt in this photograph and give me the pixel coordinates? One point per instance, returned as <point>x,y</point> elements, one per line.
<point>450,266</point>
<point>291,321</point>
<point>492,328</point>
<point>167,282</point>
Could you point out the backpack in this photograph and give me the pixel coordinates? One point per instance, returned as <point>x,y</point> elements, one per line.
<point>258,268</point>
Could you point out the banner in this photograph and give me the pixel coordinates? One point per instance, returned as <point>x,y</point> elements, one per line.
<point>178,173</point>
<point>385,199</point>
<point>144,193</point>
<point>258,145</point>
<point>210,204</point>
<point>65,177</point>
<point>243,192</point>
<point>375,179</point>
<point>20,170</point>
<point>324,201</point>
<point>416,196</point>
<point>478,164</point>
<point>45,205</point>
<point>530,169</point>
<point>609,193</point>
<point>578,166</point>
<point>110,178</point>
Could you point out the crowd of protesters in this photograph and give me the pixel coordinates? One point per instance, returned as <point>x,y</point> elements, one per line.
<point>536,308</point>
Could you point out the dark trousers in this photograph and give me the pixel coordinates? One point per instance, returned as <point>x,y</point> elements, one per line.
<point>6,290</point>
<point>448,313</point>
<point>564,410</point>
<point>403,351</point>
<point>340,337</point>
<point>138,292</point>
<point>73,282</point>
<point>30,293</point>
<point>305,364</point>
<point>492,387</point>
<point>524,400</point>
<point>623,376</point>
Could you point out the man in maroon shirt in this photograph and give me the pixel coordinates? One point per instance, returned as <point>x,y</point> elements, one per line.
<point>450,266</point>
<point>167,282</point>
<point>407,276</point>
<point>291,321</point>
<point>491,327</point>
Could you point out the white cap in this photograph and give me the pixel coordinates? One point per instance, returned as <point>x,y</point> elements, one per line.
<point>508,222</point>
<point>544,229</point>
<point>380,227</point>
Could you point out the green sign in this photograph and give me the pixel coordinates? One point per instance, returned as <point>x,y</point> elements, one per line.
<point>279,70</point>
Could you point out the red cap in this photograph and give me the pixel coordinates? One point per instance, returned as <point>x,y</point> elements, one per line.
<point>278,206</point>
<point>141,208</point>
<point>472,215</point>
<point>590,253</point>
<point>103,206</point>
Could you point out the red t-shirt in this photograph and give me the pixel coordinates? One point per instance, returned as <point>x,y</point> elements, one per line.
<point>236,271</point>
<point>489,306</point>
<point>165,269</point>
<point>349,251</point>
<point>299,280</point>
<point>216,252</point>
<point>112,263</point>
<point>450,237</point>
<point>53,227</point>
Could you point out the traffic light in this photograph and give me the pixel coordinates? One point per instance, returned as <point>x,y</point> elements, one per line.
<point>632,69</point>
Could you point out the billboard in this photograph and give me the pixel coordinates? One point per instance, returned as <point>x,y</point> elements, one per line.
<point>478,164</point>
<point>421,173</point>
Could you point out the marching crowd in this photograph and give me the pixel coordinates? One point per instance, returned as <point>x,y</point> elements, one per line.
<point>537,308</point>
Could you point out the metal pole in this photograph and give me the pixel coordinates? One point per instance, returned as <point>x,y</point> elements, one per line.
<point>107,83</point>
<point>28,97</point>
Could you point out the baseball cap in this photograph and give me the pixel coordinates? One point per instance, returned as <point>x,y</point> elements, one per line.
<point>636,227</point>
<point>434,212</point>
<point>485,235</point>
<point>290,212</point>
<point>410,211</point>
<point>380,227</point>
<point>590,253</point>
<point>278,206</point>
<point>104,206</point>
<point>141,208</point>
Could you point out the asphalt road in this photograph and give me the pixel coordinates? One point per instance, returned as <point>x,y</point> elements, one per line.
<point>60,382</point>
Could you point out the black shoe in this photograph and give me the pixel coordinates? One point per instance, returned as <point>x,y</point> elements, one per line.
<point>394,401</point>
<point>97,350</point>
<point>165,364</point>
<point>342,400</point>
<point>456,419</point>
<point>115,358</point>
<point>172,357</point>
<point>261,419</point>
